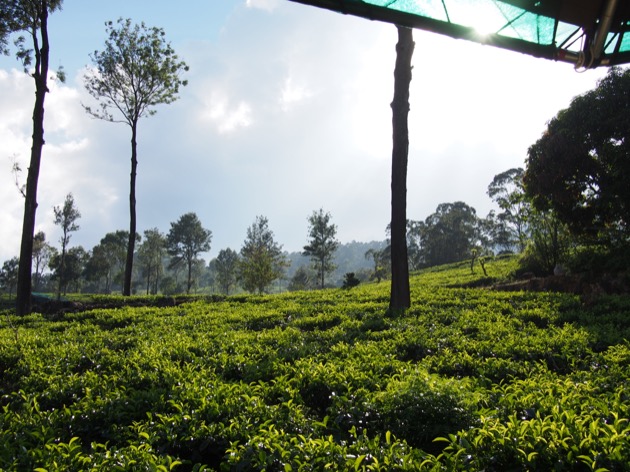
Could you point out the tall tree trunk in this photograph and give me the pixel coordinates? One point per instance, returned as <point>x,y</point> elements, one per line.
<point>189,281</point>
<point>62,269</point>
<point>400,298</point>
<point>322,274</point>
<point>23,295</point>
<point>148,278</point>
<point>132,211</point>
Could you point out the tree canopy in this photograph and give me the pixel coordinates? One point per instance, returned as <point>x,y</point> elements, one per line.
<point>262,260</point>
<point>449,233</point>
<point>226,267</point>
<point>580,167</point>
<point>506,189</point>
<point>322,244</point>
<point>186,239</point>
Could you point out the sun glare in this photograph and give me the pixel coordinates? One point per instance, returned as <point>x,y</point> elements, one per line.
<point>485,19</point>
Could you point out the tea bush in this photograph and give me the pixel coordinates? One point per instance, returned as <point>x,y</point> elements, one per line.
<point>467,379</point>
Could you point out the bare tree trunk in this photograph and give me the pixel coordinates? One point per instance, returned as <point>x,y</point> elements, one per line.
<point>132,212</point>
<point>189,281</point>
<point>23,294</point>
<point>62,269</point>
<point>400,298</point>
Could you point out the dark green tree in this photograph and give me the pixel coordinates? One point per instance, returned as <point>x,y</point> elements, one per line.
<point>226,268</point>
<point>450,233</point>
<point>9,275</point>
<point>580,167</point>
<point>322,244</point>
<point>186,239</point>
<point>302,280</point>
<point>70,276</point>
<point>29,18</point>
<point>98,269</point>
<point>136,71</point>
<point>508,192</point>
<point>150,256</point>
<point>66,217</point>
<point>350,280</point>
<point>262,260</point>
<point>107,260</point>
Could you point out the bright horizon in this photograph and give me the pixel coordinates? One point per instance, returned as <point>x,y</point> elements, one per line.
<point>287,111</point>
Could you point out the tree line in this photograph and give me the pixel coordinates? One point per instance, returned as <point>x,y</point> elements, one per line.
<point>169,263</point>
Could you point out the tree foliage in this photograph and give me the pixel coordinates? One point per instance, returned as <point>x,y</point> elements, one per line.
<point>107,260</point>
<point>186,239</point>
<point>42,252</point>
<point>150,255</point>
<point>508,192</point>
<point>136,71</point>
<point>322,244</point>
<point>69,275</point>
<point>450,233</point>
<point>9,275</point>
<point>302,279</point>
<point>381,260</point>
<point>226,268</point>
<point>262,260</point>
<point>580,167</point>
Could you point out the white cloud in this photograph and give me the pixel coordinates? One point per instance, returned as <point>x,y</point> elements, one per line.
<point>267,5</point>
<point>226,116</point>
<point>293,93</point>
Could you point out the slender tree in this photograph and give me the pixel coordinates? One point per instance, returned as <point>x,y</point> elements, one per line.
<point>186,239</point>
<point>322,244</point>
<point>42,252</point>
<point>65,217</point>
<point>262,260</point>
<point>29,17</point>
<point>150,255</point>
<point>136,71</point>
<point>226,267</point>
<point>400,298</point>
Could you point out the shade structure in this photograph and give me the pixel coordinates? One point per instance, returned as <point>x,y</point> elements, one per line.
<point>586,33</point>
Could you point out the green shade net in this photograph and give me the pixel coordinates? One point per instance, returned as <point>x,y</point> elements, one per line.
<point>587,33</point>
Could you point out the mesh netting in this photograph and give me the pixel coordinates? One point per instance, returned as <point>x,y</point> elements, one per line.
<point>554,29</point>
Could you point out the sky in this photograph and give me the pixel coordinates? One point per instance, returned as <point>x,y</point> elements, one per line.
<point>287,111</point>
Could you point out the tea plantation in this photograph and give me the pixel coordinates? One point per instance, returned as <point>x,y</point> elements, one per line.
<point>468,379</point>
